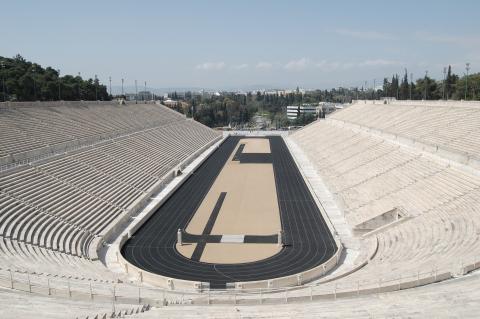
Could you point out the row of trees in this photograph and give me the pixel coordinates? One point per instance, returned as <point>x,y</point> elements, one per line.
<point>237,109</point>
<point>221,110</point>
<point>451,87</point>
<point>26,81</point>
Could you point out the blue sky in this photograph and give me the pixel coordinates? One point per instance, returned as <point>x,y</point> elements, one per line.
<point>235,44</point>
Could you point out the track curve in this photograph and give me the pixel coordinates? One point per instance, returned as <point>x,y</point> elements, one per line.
<point>309,241</point>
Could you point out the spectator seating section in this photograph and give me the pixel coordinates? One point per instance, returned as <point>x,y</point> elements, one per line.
<point>370,175</point>
<point>38,128</point>
<point>452,126</point>
<point>52,209</point>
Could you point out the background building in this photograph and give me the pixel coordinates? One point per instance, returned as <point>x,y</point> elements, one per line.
<point>296,111</point>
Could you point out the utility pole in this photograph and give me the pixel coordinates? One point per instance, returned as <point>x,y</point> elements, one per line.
<point>122,87</point>
<point>3,81</point>
<point>374,89</point>
<point>467,67</point>
<point>110,80</point>
<point>96,88</point>
<point>411,85</point>
<point>425,84</point>
<point>59,85</point>
<point>145,94</point>
<point>444,78</point>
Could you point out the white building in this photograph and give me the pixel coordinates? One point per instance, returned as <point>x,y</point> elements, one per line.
<point>295,111</point>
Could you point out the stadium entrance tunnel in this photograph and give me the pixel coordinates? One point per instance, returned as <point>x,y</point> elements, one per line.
<point>308,242</point>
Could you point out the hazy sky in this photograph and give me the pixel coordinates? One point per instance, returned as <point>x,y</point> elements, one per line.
<point>230,44</point>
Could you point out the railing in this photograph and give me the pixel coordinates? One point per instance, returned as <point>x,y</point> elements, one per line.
<point>121,293</point>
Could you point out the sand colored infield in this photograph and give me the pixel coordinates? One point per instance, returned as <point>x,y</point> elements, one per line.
<point>256,145</point>
<point>237,253</point>
<point>250,208</point>
<point>186,249</point>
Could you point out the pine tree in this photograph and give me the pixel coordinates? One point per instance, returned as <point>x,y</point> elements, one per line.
<point>386,87</point>
<point>450,83</point>
<point>404,88</point>
<point>394,87</point>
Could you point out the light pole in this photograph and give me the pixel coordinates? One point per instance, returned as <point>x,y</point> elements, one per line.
<point>136,92</point>
<point>59,85</point>
<point>110,80</point>
<point>34,84</point>
<point>144,97</point>
<point>444,77</point>
<point>3,81</point>
<point>411,85</point>
<point>79,82</point>
<point>365,91</point>
<point>425,84</point>
<point>374,89</point>
<point>467,67</point>
<point>96,88</point>
<point>122,88</point>
<point>396,79</point>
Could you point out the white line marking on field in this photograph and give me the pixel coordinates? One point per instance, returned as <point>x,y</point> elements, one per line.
<point>232,239</point>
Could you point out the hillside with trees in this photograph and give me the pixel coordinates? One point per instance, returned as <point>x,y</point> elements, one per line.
<point>23,80</point>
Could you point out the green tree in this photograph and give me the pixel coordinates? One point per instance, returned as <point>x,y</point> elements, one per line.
<point>404,87</point>
<point>450,83</point>
<point>27,81</point>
